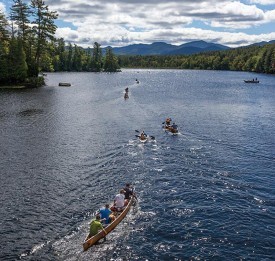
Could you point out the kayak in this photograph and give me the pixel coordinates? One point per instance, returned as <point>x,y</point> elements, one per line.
<point>142,140</point>
<point>170,129</point>
<point>92,240</point>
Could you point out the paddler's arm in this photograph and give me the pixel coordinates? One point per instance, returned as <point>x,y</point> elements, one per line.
<point>103,229</point>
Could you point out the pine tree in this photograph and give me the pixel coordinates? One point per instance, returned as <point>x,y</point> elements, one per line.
<point>4,33</point>
<point>77,59</point>
<point>17,62</point>
<point>70,57</point>
<point>97,58</point>
<point>44,28</point>
<point>62,55</point>
<point>20,13</point>
<point>4,43</point>
<point>111,62</point>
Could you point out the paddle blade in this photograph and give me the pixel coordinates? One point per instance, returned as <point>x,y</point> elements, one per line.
<point>152,137</point>
<point>136,130</point>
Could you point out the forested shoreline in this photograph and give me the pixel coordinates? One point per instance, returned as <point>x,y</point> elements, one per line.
<point>260,59</point>
<point>28,46</point>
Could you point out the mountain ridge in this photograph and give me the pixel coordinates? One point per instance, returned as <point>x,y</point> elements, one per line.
<point>162,48</point>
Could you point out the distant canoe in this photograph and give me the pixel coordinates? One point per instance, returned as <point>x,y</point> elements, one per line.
<point>251,81</point>
<point>64,84</point>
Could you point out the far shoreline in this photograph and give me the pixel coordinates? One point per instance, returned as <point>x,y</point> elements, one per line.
<point>12,87</point>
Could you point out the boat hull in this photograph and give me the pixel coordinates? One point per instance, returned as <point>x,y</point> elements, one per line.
<point>251,81</point>
<point>143,141</point>
<point>170,129</point>
<point>92,240</point>
<point>64,84</point>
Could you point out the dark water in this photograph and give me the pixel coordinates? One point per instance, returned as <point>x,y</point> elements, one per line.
<point>205,194</point>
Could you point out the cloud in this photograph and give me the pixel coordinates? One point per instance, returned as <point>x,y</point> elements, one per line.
<point>263,2</point>
<point>270,16</point>
<point>2,8</point>
<point>230,15</point>
<point>122,22</point>
<point>177,37</point>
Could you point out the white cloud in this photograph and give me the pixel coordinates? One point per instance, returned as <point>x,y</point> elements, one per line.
<point>178,36</point>
<point>270,16</point>
<point>263,2</point>
<point>123,22</point>
<point>2,7</point>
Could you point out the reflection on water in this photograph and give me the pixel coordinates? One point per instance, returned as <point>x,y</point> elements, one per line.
<point>206,193</point>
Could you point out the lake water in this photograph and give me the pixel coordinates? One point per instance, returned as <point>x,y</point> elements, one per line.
<point>207,193</point>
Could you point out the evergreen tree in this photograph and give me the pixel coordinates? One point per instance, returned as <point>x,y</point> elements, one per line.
<point>44,29</point>
<point>70,57</point>
<point>20,13</point>
<point>111,62</point>
<point>97,58</point>
<point>62,55</point>
<point>17,62</point>
<point>77,59</point>
<point>4,33</point>
<point>4,44</point>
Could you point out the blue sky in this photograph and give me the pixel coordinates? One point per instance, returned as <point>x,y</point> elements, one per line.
<point>124,22</point>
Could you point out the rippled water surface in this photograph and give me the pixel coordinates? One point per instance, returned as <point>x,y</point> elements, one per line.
<point>207,193</point>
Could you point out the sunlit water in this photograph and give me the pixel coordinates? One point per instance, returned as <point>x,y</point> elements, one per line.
<point>207,193</point>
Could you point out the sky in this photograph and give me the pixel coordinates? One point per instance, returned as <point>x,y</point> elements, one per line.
<point>118,23</point>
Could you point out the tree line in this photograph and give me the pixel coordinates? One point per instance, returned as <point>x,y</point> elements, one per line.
<point>259,59</point>
<point>28,46</point>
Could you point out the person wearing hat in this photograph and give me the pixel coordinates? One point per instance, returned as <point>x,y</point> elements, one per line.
<point>119,200</point>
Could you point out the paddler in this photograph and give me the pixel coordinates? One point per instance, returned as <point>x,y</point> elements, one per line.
<point>168,122</point>
<point>143,136</point>
<point>174,126</point>
<point>95,227</point>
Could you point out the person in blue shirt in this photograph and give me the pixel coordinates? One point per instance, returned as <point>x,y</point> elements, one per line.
<point>105,214</point>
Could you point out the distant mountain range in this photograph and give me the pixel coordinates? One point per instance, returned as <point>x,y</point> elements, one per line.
<point>263,43</point>
<point>161,48</point>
